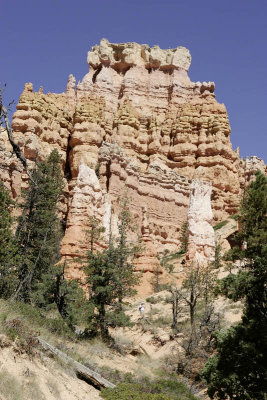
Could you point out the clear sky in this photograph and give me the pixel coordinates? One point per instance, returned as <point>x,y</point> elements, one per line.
<point>43,41</point>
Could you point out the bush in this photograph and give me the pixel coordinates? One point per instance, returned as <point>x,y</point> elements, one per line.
<point>153,300</point>
<point>126,391</point>
<point>15,329</point>
<point>161,389</point>
<point>36,318</point>
<point>118,318</point>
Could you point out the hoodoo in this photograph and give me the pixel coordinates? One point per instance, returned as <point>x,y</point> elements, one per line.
<point>135,122</point>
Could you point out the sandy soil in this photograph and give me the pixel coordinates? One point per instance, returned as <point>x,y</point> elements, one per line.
<point>42,378</point>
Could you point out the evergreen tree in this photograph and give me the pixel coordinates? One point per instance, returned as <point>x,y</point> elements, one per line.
<point>238,370</point>
<point>110,274</point>
<point>66,294</point>
<point>184,237</point>
<point>101,274</point>
<point>38,232</point>
<point>126,250</point>
<point>8,246</point>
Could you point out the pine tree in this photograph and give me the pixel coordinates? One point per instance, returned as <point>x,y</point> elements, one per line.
<point>66,294</point>
<point>101,276</point>
<point>38,232</point>
<point>110,274</point>
<point>126,250</point>
<point>184,237</point>
<point>238,370</point>
<point>8,246</point>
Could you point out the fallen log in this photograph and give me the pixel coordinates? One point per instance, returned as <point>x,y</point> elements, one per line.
<point>81,371</point>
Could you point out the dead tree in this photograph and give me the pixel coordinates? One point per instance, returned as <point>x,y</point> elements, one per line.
<point>16,149</point>
<point>192,286</point>
<point>176,309</point>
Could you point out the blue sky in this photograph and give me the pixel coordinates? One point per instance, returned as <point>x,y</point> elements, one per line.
<point>43,41</point>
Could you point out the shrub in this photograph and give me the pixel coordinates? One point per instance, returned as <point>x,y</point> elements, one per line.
<point>160,389</point>
<point>153,300</point>
<point>133,391</point>
<point>118,318</point>
<point>15,329</point>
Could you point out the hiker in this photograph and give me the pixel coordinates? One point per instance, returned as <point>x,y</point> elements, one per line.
<point>142,310</point>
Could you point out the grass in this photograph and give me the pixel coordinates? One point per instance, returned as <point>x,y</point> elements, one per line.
<point>122,340</point>
<point>33,390</point>
<point>163,320</point>
<point>10,387</point>
<point>131,386</point>
<point>176,255</point>
<point>38,320</point>
<point>53,387</point>
<point>145,389</point>
<point>234,216</point>
<point>220,225</point>
<point>153,299</point>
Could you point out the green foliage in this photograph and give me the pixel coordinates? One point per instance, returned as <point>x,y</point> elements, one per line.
<point>101,275</point>
<point>66,294</point>
<point>217,256</point>
<point>126,391</point>
<point>155,280</point>
<point>153,300</point>
<point>238,370</point>
<point>8,246</point>
<point>94,233</point>
<point>220,225</point>
<point>160,389</point>
<point>118,318</point>
<point>15,329</point>
<point>34,317</point>
<point>38,232</point>
<point>126,251</point>
<point>184,237</point>
<point>163,320</point>
<point>110,274</point>
<point>235,217</point>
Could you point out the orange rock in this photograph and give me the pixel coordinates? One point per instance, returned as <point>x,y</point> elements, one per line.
<point>136,121</point>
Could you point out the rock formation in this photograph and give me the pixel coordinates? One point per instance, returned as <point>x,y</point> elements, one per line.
<point>250,166</point>
<point>136,121</point>
<point>201,236</point>
<point>147,261</point>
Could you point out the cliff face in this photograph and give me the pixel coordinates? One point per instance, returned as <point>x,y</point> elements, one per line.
<point>138,120</point>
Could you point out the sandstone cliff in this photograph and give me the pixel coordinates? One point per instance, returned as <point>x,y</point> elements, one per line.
<point>136,121</point>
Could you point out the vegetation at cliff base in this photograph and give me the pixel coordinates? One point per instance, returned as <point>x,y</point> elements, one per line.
<point>110,274</point>
<point>8,249</point>
<point>238,368</point>
<point>158,389</point>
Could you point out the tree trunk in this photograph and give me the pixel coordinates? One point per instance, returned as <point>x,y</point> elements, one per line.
<point>103,323</point>
<point>85,373</point>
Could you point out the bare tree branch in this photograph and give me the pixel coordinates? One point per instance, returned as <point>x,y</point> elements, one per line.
<point>15,146</point>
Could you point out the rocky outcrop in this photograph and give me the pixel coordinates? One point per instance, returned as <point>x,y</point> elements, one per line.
<point>201,236</point>
<point>136,121</point>
<point>250,166</point>
<point>143,99</point>
<point>147,260</point>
